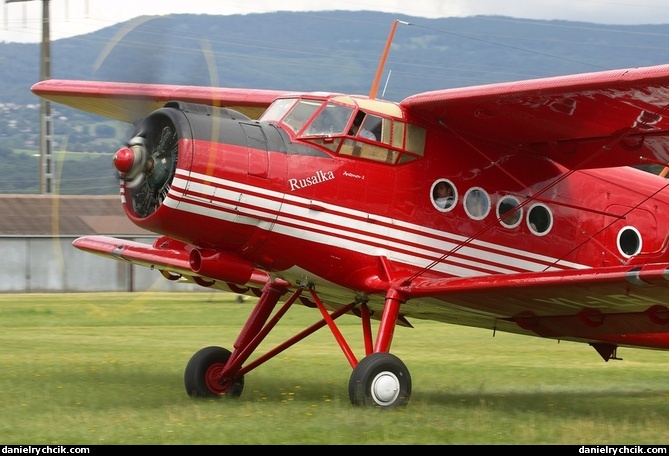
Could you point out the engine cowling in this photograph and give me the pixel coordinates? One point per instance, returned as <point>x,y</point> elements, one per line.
<point>148,162</point>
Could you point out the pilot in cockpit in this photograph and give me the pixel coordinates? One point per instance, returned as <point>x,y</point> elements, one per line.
<point>358,130</point>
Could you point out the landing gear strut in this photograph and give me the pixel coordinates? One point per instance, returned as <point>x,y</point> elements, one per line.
<point>380,379</point>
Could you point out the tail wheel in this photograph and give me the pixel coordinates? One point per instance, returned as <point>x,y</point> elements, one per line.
<point>202,377</point>
<point>380,380</point>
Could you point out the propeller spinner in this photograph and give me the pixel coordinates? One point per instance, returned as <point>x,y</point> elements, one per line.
<point>147,165</point>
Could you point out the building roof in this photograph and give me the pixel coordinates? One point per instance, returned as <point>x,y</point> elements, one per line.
<point>64,215</point>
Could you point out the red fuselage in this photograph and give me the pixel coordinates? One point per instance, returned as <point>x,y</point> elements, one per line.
<point>295,205</point>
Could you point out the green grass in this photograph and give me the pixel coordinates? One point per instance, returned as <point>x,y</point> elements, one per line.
<point>108,369</point>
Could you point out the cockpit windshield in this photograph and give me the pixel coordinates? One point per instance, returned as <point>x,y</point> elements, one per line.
<point>332,118</point>
<point>368,129</point>
<point>301,112</point>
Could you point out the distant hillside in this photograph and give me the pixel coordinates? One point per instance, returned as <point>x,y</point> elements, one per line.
<point>329,51</point>
<point>334,51</point>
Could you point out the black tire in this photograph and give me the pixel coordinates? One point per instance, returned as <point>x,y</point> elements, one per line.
<point>202,375</point>
<point>380,380</point>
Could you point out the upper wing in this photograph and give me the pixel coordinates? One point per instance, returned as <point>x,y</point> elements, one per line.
<point>130,102</point>
<point>601,119</point>
<point>611,303</point>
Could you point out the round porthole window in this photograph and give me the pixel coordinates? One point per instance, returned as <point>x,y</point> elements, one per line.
<point>477,203</point>
<point>539,219</point>
<point>444,195</point>
<point>629,241</point>
<point>507,212</point>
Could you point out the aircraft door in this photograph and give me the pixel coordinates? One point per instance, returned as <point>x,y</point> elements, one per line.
<point>257,147</point>
<point>260,194</point>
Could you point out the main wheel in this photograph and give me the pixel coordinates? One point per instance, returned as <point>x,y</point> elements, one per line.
<point>380,380</point>
<point>202,376</point>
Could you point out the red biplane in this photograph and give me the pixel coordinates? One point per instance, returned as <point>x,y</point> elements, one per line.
<point>513,207</point>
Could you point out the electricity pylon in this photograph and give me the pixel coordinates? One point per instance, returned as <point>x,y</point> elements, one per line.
<point>45,161</point>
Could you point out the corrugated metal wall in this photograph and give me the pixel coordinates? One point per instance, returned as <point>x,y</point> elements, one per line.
<point>45,264</point>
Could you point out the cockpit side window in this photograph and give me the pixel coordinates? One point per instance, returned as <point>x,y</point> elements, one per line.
<point>278,109</point>
<point>367,126</point>
<point>300,113</point>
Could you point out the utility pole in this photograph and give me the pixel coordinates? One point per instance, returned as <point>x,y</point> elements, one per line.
<point>46,160</point>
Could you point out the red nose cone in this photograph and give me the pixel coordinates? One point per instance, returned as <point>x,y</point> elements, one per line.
<point>124,159</point>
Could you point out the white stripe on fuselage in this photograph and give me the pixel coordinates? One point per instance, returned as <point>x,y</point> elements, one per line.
<point>348,229</point>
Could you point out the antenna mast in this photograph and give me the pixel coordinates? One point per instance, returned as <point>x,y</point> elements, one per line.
<point>382,62</point>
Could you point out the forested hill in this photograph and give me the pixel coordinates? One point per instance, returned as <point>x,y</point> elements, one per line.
<point>335,51</point>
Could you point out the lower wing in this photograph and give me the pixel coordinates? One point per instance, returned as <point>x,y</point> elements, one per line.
<point>622,305</point>
<point>175,260</point>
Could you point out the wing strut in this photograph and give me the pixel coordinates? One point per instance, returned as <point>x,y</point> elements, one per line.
<point>388,321</point>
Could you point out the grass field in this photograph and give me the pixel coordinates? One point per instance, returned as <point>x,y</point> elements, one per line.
<point>108,369</point>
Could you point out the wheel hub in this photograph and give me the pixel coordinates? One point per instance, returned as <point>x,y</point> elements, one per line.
<point>385,388</point>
